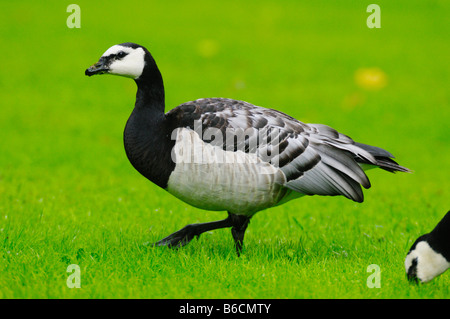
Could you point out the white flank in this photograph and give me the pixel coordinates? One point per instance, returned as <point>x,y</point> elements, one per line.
<point>207,177</point>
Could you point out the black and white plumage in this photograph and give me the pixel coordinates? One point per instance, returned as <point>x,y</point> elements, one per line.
<point>429,256</point>
<point>277,158</point>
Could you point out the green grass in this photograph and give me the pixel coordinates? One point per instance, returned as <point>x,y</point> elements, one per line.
<point>68,195</point>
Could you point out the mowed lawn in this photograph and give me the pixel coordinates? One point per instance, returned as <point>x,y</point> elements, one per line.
<point>68,194</point>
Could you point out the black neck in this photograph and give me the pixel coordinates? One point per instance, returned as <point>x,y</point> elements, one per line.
<point>442,229</point>
<point>441,236</point>
<point>146,137</point>
<point>150,92</point>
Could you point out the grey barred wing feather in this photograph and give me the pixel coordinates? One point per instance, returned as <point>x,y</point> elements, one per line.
<point>315,158</point>
<point>336,171</point>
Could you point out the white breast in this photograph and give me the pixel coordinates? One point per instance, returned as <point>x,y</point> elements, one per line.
<point>207,177</point>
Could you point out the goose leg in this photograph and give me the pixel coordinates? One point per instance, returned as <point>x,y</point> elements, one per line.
<point>240,223</point>
<point>183,236</point>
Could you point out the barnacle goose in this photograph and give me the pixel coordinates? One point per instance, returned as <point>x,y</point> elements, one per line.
<point>271,158</point>
<point>429,256</point>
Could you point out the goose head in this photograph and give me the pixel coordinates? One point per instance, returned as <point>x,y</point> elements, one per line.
<point>126,59</point>
<point>423,263</point>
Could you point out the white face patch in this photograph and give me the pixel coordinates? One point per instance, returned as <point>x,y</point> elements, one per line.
<point>132,65</point>
<point>429,263</point>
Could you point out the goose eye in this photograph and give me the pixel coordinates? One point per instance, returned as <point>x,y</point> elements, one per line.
<point>121,54</point>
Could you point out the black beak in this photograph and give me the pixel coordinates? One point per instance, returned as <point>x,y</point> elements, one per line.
<point>412,279</point>
<point>98,68</point>
<point>412,272</point>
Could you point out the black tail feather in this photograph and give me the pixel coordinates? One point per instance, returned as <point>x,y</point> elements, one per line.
<point>384,159</point>
<point>390,165</point>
